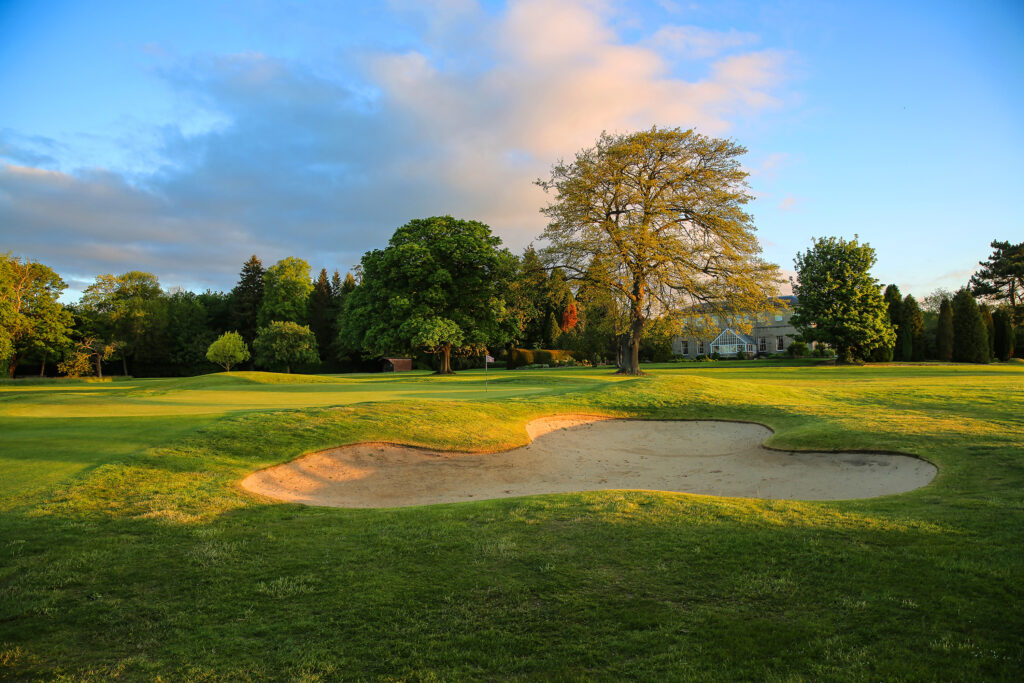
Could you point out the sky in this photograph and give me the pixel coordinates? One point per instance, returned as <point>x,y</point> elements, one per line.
<point>180,138</point>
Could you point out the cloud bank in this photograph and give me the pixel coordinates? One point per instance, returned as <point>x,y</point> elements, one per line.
<point>325,168</point>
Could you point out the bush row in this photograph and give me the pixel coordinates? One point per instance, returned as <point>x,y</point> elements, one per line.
<point>520,357</point>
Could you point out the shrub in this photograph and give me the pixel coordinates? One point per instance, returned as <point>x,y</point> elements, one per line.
<point>518,358</point>
<point>798,349</point>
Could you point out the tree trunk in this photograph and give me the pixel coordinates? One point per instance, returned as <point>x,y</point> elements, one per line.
<point>12,367</point>
<point>288,369</point>
<point>631,353</point>
<point>42,368</point>
<point>446,362</point>
<point>124,364</point>
<point>99,365</point>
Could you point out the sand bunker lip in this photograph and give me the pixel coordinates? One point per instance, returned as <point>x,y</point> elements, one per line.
<point>571,453</point>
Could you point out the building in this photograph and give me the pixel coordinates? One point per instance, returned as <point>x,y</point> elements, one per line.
<point>766,337</point>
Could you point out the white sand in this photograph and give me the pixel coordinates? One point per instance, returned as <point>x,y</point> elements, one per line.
<point>583,453</point>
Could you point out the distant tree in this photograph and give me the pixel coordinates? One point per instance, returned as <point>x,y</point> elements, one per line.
<point>933,302</point>
<point>286,292</point>
<point>664,210</point>
<point>175,342</point>
<point>986,319</point>
<point>1001,277</point>
<point>120,308</point>
<point>32,320</point>
<point>247,299</point>
<point>914,345</point>
<point>1003,333</point>
<point>570,316</point>
<point>441,286</point>
<point>322,313</point>
<point>894,314</point>
<point>284,344</point>
<point>840,304</point>
<point>944,331</point>
<point>970,340</point>
<point>87,351</point>
<point>528,300</point>
<point>229,349</point>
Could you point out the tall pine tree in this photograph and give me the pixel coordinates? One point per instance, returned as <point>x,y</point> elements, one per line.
<point>1003,340</point>
<point>322,315</point>
<point>970,340</point>
<point>247,298</point>
<point>944,331</point>
<point>912,346</point>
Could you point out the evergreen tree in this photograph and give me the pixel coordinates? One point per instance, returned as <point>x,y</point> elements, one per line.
<point>970,340</point>
<point>1001,277</point>
<point>944,331</point>
<point>322,314</point>
<point>247,299</point>
<point>986,317</point>
<point>336,285</point>
<point>914,345</point>
<point>1003,339</point>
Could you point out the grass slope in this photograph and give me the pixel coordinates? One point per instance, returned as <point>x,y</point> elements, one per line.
<point>127,549</point>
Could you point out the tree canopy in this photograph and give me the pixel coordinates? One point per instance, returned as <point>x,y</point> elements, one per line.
<point>440,286</point>
<point>1001,277</point>
<point>229,349</point>
<point>284,343</point>
<point>839,302</point>
<point>247,299</point>
<point>663,210</point>
<point>31,318</point>
<point>286,290</point>
<point>119,309</point>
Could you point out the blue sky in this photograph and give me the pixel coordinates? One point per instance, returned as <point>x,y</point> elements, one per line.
<point>180,138</point>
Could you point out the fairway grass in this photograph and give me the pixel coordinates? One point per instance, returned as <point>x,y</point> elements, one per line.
<point>128,550</point>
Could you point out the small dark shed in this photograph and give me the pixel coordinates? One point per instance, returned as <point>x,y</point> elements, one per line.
<point>397,364</point>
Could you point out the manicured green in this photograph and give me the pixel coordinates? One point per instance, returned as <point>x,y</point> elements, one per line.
<point>128,551</point>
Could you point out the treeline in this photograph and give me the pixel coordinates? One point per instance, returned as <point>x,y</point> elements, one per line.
<point>286,319</point>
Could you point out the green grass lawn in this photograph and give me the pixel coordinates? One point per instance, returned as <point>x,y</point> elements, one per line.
<point>128,551</point>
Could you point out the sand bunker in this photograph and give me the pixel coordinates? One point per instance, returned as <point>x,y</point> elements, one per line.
<point>584,453</point>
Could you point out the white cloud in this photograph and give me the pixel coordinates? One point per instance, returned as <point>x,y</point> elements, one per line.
<point>303,164</point>
<point>694,42</point>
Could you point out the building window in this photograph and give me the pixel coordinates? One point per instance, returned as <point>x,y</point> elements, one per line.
<point>779,343</point>
<point>763,344</point>
<point>778,318</point>
<point>685,347</point>
<point>700,347</point>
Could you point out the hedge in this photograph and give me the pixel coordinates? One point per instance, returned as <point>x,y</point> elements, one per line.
<point>520,357</point>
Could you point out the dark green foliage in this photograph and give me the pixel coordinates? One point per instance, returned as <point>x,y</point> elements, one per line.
<point>1001,277</point>
<point>32,320</point>
<point>247,299</point>
<point>121,309</point>
<point>441,286</point>
<point>286,292</point>
<point>798,349</point>
<point>1003,338</point>
<point>914,344</point>
<point>285,344</point>
<point>986,319</point>
<point>944,331</point>
<point>970,340</point>
<point>322,313</point>
<point>840,303</point>
<point>520,357</point>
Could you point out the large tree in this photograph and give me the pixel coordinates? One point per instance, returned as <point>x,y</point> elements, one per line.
<point>285,344</point>
<point>440,286</point>
<point>286,292</point>
<point>913,346</point>
<point>1001,277</point>
<point>840,304</point>
<point>944,331</point>
<point>247,299</point>
<point>970,339</point>
<point>120,309</point>
<point>664,210</point>
<point>32,320</point>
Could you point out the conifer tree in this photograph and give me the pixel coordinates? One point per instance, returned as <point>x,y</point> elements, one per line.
<point>247,298</point>
<point>322,314</point>
<point>970,340</point>
<point>986,317</point>
<point>1003,340</point>
<point>944,331</point>
<point>913,340</point>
